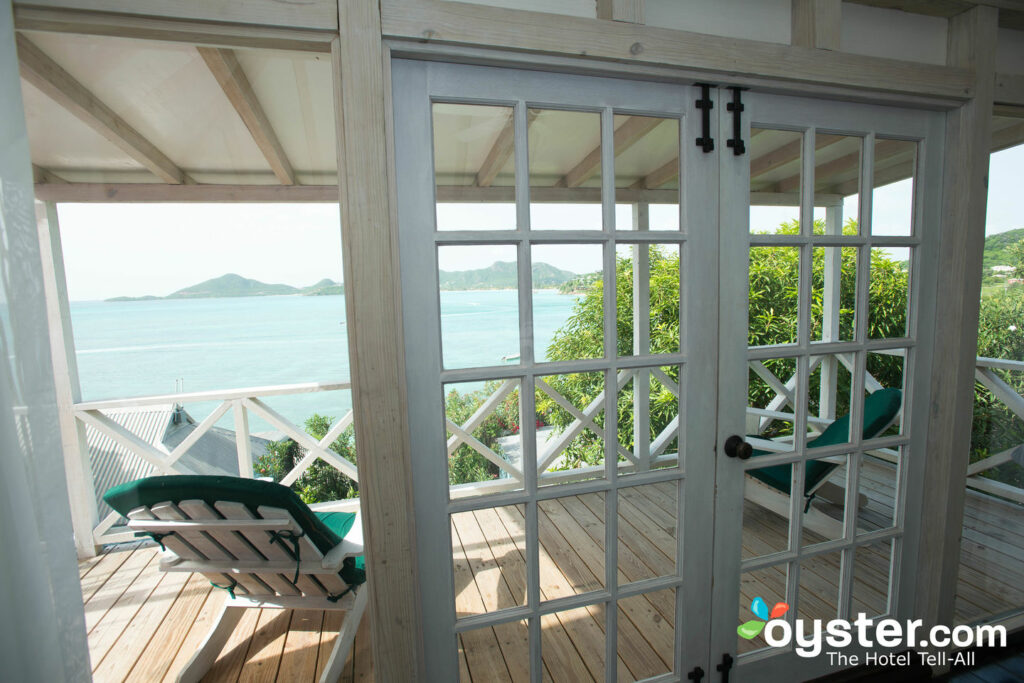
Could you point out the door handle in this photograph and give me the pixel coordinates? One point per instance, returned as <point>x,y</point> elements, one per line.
<point>736,447</point>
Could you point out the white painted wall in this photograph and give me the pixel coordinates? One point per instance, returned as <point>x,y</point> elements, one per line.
<point>765,20</point>
<point>1010,51</point>
<point>892,33</point>
<point>42,621</point>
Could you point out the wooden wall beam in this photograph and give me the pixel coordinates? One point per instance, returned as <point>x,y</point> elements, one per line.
<point>213,34</point>
<point>310,14</point>
<point>626,135</point>
<point>45,74</point>
<point>224,66</point>
<point>816,23</point>
<point>1009,90</point>
<point>376,342</point>
<point>631,11</point>
<point>971,44</point>
<point>478,26</point>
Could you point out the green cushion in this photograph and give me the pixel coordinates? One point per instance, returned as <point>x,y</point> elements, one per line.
<point>324,529</point>
<point>880,408</point>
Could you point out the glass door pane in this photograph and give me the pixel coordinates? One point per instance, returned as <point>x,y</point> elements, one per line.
<point>559,313</point>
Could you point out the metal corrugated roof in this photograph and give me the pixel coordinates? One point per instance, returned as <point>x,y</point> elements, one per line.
<point>113,464</point>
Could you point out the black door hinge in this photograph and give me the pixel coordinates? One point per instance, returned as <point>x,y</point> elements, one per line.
<point>696,675</point>
<point>736,107</point>
<point>724,667</point>
<point>705,141</point>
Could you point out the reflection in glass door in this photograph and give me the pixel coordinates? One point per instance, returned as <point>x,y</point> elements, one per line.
<point>559,303</point>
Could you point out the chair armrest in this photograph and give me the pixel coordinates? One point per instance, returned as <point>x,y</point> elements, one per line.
<point>352,544</point>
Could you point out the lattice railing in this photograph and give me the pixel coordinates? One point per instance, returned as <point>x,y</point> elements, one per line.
<point>242,402</point>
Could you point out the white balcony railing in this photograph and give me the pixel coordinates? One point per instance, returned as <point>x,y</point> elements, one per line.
<point>242,402</point>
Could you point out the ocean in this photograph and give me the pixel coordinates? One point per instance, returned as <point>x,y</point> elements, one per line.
<point>140,348</point>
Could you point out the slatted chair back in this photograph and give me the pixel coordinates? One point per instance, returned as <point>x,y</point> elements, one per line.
<point>263,557</point>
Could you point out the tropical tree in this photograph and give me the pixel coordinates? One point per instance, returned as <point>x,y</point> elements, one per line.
<point>321,482</point>
<point>772,319</point>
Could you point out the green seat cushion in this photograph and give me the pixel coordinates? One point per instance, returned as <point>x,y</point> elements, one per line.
<point>880,408</point>
<point>325,530</point>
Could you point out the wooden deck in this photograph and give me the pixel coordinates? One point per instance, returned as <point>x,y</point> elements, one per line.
<point>144,624</point>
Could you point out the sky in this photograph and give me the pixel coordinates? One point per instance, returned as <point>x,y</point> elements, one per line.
<point>138,249</point>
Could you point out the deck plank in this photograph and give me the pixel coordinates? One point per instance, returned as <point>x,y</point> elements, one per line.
<point>267,645</point>
<point>113,623</point>
<point>331,625</point>
<point>229,664</point>
<point>302,642</point>
<point>139,631</point>
<point>113,588</point>
<point>153,662</point>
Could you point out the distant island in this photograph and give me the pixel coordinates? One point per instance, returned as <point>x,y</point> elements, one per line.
<point>502,275</point>
<point>499,275</point>
<point>232,285</point>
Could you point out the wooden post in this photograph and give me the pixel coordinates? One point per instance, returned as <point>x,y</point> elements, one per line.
<point>972,41</point>
<point>816,23</point>
<point>243,443</point>
<point>831,303</point>
<point>641,340</point>
<point>81,489</point>
<point>375,338</point>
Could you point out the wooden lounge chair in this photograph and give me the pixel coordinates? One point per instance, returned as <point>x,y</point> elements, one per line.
<point>880,410</point>
<point>258,541</point>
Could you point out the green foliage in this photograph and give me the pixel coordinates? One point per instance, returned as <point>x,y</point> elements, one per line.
<point>773,305</point>
<point>1016,255</point>
<point>466,465</point>
<point>995,428</point>
<point>321,482</point>
<point>997,247</point>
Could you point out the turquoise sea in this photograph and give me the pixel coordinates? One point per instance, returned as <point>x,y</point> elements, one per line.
<point>140,348</point>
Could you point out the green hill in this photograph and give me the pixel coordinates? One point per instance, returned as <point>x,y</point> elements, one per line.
<point>997,247</point>
<point>502,275</point>
<point>231,285</point>
<point>325,287</point>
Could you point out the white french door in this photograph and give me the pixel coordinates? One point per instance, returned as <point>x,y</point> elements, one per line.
<point>841,224</point>
<point>577,516</point>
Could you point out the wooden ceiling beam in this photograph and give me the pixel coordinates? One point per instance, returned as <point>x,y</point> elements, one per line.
<point>769,161</point>
<point>45,74</point>
<point>224,66</point>
<point>1008,136</point>
<point>670,171</point>
<point>501,150</point>
<point>884,150</point>
<point>626,135</point>
<point>190,32</point>
<point>42,175</point>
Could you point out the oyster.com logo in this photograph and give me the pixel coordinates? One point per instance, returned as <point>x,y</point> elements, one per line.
<point>751,629</point>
